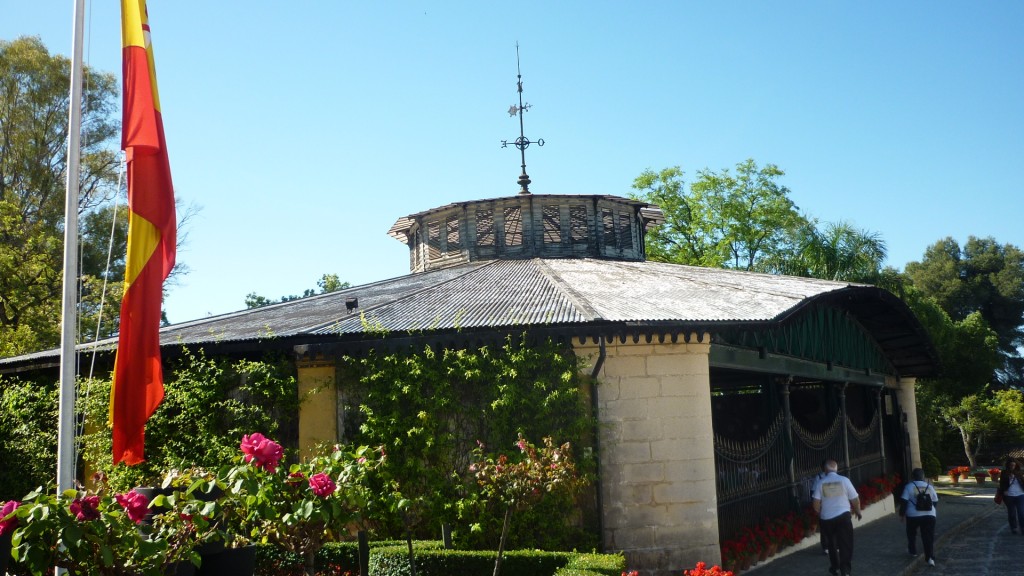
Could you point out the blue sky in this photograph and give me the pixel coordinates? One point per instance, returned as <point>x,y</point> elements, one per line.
<point>303,130</point>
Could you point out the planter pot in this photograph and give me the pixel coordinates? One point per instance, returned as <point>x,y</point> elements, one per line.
<point>995,477</point>
<point>151,492</point>
<point>181,569</point>
<point>964,475</point>
<point>5,551</point>
<point>980,478</point>
<point>229,562</point>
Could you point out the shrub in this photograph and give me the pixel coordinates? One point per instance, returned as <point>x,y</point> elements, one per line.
<point>394,561</point>
<point>931,465</point>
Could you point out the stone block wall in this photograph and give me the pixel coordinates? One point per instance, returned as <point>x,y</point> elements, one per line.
<point>657,454</point>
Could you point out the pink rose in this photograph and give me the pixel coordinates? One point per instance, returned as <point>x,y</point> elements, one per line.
<point>261,451</point>
<point>86,508</point>
<point>135,505</point>
<point>8,526</point>
<point>322,485</point>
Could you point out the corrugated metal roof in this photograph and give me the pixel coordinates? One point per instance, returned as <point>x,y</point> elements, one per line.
<point>544,292</point>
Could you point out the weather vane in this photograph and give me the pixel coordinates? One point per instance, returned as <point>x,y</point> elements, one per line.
<point>522,142</point>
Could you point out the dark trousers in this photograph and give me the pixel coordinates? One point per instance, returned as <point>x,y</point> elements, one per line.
<point>838,534</point>
<point>1015,511</point>
<point>927,526</point>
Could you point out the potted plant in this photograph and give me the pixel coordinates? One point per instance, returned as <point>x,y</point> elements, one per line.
<point>954,476</point>
<point>701,569</point>
<point>980,476</point>
<point>994,473</point>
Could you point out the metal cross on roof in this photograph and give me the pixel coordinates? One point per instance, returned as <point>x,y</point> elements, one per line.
<point>522,142</point>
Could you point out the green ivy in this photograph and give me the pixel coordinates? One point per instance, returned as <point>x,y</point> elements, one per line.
<point>429,408</point>
<point>208,405</point>
<point>28,437</point>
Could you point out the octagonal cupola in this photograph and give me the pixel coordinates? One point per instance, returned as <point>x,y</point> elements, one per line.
<point>527,226</point>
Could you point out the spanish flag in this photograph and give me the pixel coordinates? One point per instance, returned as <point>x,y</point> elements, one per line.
<point>138,379</point>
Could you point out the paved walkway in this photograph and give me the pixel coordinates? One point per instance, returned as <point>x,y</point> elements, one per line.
<point>971,537</point>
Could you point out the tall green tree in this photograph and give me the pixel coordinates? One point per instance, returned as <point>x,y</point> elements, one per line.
<point>982,277</point>
<point>741,220</point>
<point>326,283</point>
<point>33,163</point>
<point>837,251</point>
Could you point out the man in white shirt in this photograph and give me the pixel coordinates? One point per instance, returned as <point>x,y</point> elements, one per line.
<point>836,501</point>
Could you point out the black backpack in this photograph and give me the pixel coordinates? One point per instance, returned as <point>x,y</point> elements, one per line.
<point>923,501</point>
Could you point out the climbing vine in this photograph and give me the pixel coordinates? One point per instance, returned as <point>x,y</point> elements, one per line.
<point>429,408</point>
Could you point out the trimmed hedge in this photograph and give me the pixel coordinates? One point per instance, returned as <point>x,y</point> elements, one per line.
<point>333,558</point>
<point>394,561</point>
<point>594,565</point>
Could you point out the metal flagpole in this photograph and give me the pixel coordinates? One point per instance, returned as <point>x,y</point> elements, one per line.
<point>68,336</point>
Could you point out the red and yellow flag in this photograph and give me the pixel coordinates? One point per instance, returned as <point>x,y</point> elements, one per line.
<point>138,379</point>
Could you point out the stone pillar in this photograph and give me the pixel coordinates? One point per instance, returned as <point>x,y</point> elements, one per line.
<point>908,403</point>
<point>657,461</point>
<point>318,411</point>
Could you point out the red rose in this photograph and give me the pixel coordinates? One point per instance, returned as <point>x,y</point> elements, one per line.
<point>86,508</point>
<point>261,451</point>
<point>322,485</point>
<point>135,504</point>
<point>8,526</point>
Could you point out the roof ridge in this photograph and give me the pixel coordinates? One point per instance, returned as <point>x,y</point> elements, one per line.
<point>470,270</point>
<point>571,294</point>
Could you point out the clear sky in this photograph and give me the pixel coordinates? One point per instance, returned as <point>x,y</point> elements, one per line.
<point>303,130</point>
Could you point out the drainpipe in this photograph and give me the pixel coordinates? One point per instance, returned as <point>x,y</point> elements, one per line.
<point>881,427</point>
<point>597,438</point>
<point>846,431</point>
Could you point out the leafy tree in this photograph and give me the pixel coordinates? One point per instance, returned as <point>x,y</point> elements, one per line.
<point>33,164</point>
<point>839,251</point>
<point>968,353</point>
<point>1008,411</point>
<point>973,418</point>
<point>741,220</point>
<point>326,283</point>
<point>983,277</point>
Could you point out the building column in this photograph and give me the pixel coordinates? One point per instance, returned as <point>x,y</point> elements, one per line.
<point>907,396</point>
<point>318,408</point>
<point>656,455</point>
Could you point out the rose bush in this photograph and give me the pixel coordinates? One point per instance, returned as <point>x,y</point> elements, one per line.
<point>517,483</point>
<point>301,506</point>
<point>100,534</point>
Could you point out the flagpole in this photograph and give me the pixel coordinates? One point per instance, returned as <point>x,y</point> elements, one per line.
<point>68,337</point>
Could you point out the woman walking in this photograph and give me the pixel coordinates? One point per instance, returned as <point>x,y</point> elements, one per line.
<point>1011,488</point>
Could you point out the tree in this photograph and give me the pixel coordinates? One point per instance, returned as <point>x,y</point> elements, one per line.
<point>974,419</point>
<point>983,277</point>
<point>326,283</point>
<point>839,251</point>
<point>33,164</point>
<point>740,221</point>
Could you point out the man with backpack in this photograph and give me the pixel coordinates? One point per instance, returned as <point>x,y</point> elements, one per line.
<point>917,509</point>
